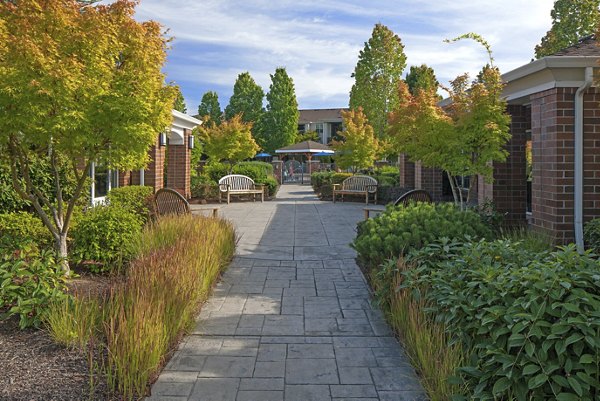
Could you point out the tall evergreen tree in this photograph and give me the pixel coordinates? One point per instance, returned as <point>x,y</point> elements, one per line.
<point>571,20</point>
<point>247,100</point>
<point>280,121</point>
<point>209,106</point>
<point>179,103</point>
<point>421,77</point>
<point>377,74</point>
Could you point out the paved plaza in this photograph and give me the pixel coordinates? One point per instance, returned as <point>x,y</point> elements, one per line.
<point>292,317</point>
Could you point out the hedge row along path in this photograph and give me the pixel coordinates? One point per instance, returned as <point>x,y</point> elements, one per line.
<point>292,318</point>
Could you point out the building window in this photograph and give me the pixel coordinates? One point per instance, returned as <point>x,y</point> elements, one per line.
<point>319,131</point>
<point>301,128</point>
<point>104,179</point>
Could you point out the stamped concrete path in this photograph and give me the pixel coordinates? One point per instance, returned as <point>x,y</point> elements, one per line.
<point>292,318</point>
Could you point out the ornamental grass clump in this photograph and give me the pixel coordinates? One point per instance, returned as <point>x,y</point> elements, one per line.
<point>178,260</point>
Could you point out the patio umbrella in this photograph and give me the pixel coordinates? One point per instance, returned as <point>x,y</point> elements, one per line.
<point>322,154</point>
<point>262,155</point>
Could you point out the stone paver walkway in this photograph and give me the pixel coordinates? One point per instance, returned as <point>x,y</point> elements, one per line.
<point>292,318</point>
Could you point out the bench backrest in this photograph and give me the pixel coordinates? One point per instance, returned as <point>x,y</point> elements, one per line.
<point>170,202</point>
<point>236,182</point>
<point>360,183</point>
<point>416,195</point>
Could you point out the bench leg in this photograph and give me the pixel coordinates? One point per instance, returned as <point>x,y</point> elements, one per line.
<point>215,213</point>
<point>375,197</point>
<point>262,196</point>
<point>228,198</point>
<point>220,193</point>
<point>367,198</point>
<point>366,214</point>
<point>333,196</point>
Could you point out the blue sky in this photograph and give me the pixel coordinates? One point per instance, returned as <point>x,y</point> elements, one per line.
<point>318,40</point>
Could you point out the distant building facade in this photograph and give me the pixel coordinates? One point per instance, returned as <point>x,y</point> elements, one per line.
<point>325,122</point>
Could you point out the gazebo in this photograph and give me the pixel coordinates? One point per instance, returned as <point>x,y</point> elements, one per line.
<point>306,148</point>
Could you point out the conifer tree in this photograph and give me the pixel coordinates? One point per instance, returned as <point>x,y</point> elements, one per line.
<point>377,74</point>
<point>421,77</point>
<point>279,124</point>
<point>210,107</point>
<point>571,20</point>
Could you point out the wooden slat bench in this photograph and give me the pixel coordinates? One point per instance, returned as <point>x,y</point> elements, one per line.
<point>168,202</point>
<point>236,184</point>
<point>415,195</point>
<point>356,185</point>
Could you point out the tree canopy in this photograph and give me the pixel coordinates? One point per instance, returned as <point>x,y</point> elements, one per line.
<point>231,140</point>
<point>210,107</point>
<point>247,99</point>
<point>377,73</point>
<point>279,125</point>
<point>78,85</point>
<point>462,140</point>
<point>571,21</point>
<point>359,146</point>
<point>179,103</point>
<point>421,78</point>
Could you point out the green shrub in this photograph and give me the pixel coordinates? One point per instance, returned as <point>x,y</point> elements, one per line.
<point>137,199</point>
<point>203,187</point>
<point>529,320</point>
<point>271,185</point>
<point>401,229</point>
<point>322,182</point>
<point>256,170</point>
<point>28,285</point>
<point>105,235</point>
<point>216,171</point>
<point>23,231</point>
<point>591,235</point>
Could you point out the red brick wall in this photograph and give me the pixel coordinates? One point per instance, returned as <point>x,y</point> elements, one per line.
<point>552,127</point>
<point>178,166</point>
<point>429,179</point>
<point>508,190</point>
<point>407,171</point>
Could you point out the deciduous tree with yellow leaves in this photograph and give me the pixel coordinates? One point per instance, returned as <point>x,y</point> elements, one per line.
<point>359,146</point>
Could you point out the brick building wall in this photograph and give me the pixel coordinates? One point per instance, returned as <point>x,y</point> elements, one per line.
<point>154,172</point>
<point>178,166</point>
<point>552,129</point>
<point>429,179</point>
<point>407,171</point>
<point>508,190</point>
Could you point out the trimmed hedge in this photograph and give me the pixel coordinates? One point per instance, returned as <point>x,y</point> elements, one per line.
<point>591,234</point>
<point>23,231</point>
<point>136,199</point>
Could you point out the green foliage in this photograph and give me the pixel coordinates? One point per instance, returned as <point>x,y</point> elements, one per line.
<point>529,320</point>
<point>307,136</point>
<point>421,78</point>
<point>23,231</point>
<point>134,198</point>
<point>179,103</point>
<point>231,140</point>
<point>81,87</point>
<point>591,235</point>
<point>216,171</point>
<point>571,21</point>
<point>247,100</point>
<point>358,147</point>
<point>258,171</point>
<point>377,74</point>
<point>322,182</point>
<point>279,125</point>
<point>271,185</point>
<point>400,229</point>
<point>105,236</point>
<point>74,321</point>
<point>203,187</point>
<point>28,284</point>
<point>210,109</point>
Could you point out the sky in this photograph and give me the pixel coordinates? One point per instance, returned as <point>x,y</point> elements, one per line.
<point>318,41</point>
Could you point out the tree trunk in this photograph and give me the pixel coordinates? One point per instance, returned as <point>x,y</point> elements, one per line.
<point>60,245</point>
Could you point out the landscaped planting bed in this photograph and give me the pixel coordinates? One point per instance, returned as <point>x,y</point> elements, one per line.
<point>485,319</point>
<point>115,330</point>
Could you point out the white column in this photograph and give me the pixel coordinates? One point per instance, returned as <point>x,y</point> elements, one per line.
<point>141,177</point>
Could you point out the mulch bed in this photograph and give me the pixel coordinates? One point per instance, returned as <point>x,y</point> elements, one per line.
<point>33,367</point>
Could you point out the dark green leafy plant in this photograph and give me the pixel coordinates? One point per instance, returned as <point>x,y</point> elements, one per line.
<point>530,321</point>
<point>28,285</point>
<point>105,237</point>
<point>398,230</point>
<point>591,235</point>
<point>137,199</point>
<point>23,231</point>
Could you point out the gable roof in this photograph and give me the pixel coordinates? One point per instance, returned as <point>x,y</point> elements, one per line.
<point>320,115</point>
<point>586,46</point>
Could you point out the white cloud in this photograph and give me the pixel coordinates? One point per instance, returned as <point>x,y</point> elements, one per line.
<point>318,41</point>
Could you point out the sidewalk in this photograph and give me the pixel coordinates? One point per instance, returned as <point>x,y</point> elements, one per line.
<point>292,318</point>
